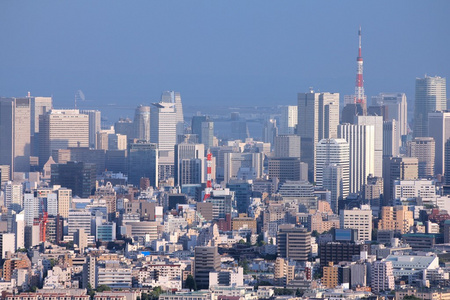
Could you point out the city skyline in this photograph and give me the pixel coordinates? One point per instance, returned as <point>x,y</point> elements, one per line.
<point>128,54</point>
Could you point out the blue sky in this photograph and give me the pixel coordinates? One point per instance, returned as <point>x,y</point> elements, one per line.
<point>217,52</point>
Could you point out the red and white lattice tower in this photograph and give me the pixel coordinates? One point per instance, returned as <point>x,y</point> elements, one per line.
<point>359,87</point>
<point>208,176</point>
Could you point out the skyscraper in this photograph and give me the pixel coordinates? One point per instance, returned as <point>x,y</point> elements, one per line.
<point>430,96</point>
<point>189,163</point>
<point>196,125</point>
<point>78,176</point>
<point>39,107</point>
<point>398,168</point>
<point>15,134</point>
<point>333,152</point>
<point>288,119</point>
<point>95,120</point>
<point>361,140</point>
<point>175,98</point>
<point>333,180</point>
<point>318,114</point>
<point>163,128</point>
<point>287,146</point>
<point>397,108</point>
<point>207,134</point>
<point>377,122</point>
<point>61,129</point>
<point>143,162</point>
<point>391,138</point>
<point>424,149</point>
<point>142,123</point>
<point>439,121</point>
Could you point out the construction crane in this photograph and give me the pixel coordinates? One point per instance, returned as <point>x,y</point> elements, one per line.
<point>208,176</point>
<point>43,220</point>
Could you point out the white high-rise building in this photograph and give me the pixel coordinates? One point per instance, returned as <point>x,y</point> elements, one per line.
<point>397,109</point>
<point>318,118</point>
<point>377,122</point>
<point>31,208</point>
<point>329,152</point>
<point>61,129</point>
<point>361,140</point>
<point>431,95</point>
<point>95,121</point>
<point>288,119</point>
<point>175,98</point>
<point>19,229</point>
<point>163,128</point>
<point>439,124</point>
<point>359,219</point>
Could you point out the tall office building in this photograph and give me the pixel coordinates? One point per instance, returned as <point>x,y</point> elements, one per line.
<point>189,163</point>
<point>439,124</point>
<point>396,109</point>
<point>431,96</point>
<point>143,162</point>
<point>15,134</point>
<point>196,125</point>
<point>391,138</point>
<point>207,134</point>
<point>175,98</point>
<point>318,114</point>
<point>269,131</point>
<point>288,119</point>
<point>243,166</point>
<point>377,123</point>
<point>424,149</point>
<point>330,152</point>
<point>61,129</point>
<point>95,122</point>
<point>125,127</point>
<point>362,153</point>
<point>39,107</point>
<point>398,168</point>
<point>141,123</point>
<point>163,128</point>
<point>78,176</point>
<point>333,180</point>
<point>287,146</point>
<point>206,260</point>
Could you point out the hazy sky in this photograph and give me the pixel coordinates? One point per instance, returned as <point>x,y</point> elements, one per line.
<point>217,52</point>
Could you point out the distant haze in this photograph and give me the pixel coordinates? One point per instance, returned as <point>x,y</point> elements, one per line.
<point>217,52</point>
